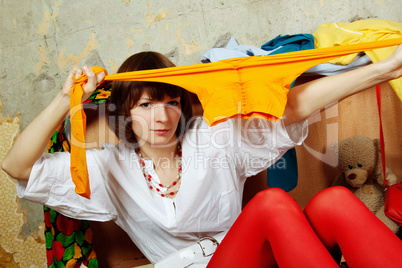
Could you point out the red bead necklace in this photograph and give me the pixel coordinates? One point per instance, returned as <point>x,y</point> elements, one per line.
<point>162,190</point>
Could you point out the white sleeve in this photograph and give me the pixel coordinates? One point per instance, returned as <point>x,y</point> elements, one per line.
<point>50,184</point>
<point>264,142</point>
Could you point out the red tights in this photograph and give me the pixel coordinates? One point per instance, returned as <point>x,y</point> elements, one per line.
<point>273,231</point>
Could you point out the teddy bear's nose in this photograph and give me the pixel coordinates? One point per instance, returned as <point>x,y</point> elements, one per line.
<point>352,176</point>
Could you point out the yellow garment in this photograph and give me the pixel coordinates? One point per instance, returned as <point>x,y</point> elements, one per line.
<point>340,34</point>
<point>240,87</point>
<point>78,167</point>
<point>248,86</point>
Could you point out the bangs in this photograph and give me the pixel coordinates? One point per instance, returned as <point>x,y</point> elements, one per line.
<point>157,91</point>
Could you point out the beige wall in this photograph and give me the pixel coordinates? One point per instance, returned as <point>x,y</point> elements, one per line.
<point>41,40</point>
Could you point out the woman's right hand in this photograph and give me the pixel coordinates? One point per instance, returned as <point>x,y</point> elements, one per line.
<point>93,81</point>
<point>30,144</point>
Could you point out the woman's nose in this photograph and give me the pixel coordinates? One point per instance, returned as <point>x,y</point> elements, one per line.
<point>161,113</point>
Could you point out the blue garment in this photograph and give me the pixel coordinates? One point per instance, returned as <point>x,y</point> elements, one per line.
<point>289,43</point>
<point>284,173</point>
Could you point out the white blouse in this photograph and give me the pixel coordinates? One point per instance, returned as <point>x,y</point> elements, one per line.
<point>216,162</point>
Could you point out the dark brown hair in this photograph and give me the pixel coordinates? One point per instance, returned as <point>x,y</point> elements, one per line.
<point>125,94</point>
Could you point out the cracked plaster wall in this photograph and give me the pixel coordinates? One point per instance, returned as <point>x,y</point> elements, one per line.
<point>42,40</point>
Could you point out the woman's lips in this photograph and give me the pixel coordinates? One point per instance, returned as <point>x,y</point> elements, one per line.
<point>161,131</point>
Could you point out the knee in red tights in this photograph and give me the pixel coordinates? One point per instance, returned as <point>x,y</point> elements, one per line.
<point>271,222</point>
<point>325,211</point>
<point>330,201</point>
<point>340,219</point>
<point>270,201</point>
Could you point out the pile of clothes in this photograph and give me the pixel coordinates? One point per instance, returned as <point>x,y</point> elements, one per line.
<point>326,35</point>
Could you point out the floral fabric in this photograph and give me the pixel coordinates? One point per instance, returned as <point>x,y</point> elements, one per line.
<point>69,241</point>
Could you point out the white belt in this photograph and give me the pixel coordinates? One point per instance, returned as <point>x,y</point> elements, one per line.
<point>204,248</point>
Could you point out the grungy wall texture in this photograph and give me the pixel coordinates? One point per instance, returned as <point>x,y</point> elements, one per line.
<point>41,41</point>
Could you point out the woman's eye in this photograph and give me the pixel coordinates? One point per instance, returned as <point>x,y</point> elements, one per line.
<point>145,105</point>
<point>173,103</point>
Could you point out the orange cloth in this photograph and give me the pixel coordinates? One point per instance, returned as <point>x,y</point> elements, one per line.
<point>250,86</point>
<point>240,87</point>
<point>78,167</point>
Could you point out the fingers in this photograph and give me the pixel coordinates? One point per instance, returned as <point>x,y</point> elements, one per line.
<point>91,84</point>
<point>74,73</point>
<point>77,71</point>
<point>93,81</point>
<point>100,77</point>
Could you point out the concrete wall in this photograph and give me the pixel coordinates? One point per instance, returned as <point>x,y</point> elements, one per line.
<point>41,41</point>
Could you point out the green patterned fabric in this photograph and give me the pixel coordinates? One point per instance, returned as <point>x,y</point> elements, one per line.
<point>69,241</point>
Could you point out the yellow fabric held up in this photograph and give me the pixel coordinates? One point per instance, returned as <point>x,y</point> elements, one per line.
<point>249,86</point>
<point>78,168</point>
<point>345,33</point>
<point>240,87</point>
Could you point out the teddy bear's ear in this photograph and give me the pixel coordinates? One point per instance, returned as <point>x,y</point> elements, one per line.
<point>377,145</point>
<point>335,147</point>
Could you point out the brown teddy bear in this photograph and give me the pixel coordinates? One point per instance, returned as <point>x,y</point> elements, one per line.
<point>359,159</point>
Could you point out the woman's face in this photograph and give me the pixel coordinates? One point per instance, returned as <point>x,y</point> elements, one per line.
<point>155,122</point>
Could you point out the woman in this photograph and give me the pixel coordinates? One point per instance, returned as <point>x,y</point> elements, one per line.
<point>175,185</point>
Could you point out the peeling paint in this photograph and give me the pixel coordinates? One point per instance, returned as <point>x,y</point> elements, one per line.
<point>27,252</point>
<point>15,23</point>
<point>47,18</point>
<point>114,66</point>
<point>151,19</point>
<point>136,31</point>
<point>44,25</point>
<point>130,43</point>
<point>63,61</point>
<point>42,61</point>
<point>127,1</point>
<point>189,47</point>
<point>7,259</point>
